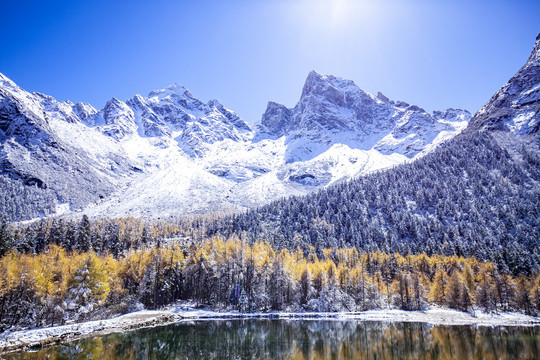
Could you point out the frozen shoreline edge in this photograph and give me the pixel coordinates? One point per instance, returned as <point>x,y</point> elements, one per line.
<point>23,339</point>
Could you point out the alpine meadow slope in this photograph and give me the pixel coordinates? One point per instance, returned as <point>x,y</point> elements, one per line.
<point>170,154</point>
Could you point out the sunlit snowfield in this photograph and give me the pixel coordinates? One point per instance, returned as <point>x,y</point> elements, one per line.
<point>300,339</point>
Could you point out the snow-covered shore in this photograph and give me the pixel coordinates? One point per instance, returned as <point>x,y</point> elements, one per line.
<point>11,341</point>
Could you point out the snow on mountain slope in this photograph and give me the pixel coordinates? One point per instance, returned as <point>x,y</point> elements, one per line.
<point>169,153</point>
<point>332,111</point>
<point>36,150</point>
<point>516,106</point>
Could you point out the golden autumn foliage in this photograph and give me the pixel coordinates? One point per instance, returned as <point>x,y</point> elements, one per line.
<point>265,278</point>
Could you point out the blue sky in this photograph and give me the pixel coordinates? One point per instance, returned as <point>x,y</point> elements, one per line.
<point>435,54</point>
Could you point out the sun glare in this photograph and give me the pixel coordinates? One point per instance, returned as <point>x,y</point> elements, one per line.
<point>330,15</point>
<point>340,11</point>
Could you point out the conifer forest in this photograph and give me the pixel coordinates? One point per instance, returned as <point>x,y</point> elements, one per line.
<point>56,271</point>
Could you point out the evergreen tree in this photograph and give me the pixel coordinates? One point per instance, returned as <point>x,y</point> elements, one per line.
<point>84,242</point>
<point>89,284</point>
<point>6,239</point>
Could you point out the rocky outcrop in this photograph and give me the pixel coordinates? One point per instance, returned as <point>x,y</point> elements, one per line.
<point>516,106</point>
<point>333,110</point>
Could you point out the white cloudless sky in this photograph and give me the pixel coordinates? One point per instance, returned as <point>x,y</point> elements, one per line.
<point>435,54</point>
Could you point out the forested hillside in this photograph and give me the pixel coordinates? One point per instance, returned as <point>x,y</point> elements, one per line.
<point>457,228</point>
<point>20,201</point>
<point>111,236</point>
<point>471,197</point>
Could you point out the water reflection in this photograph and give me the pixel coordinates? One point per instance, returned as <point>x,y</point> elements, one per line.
<point>281,339</point>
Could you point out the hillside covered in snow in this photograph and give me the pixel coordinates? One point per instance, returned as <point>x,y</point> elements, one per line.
<point>169,153</point>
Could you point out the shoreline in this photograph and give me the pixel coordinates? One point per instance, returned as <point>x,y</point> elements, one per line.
<point>39,337</point>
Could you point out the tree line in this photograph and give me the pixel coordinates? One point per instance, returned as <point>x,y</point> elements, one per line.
<point>114,236</point>
<point>54,286</point>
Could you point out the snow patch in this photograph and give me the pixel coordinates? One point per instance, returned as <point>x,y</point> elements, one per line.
<point>523,121</point>
<point>62,208</point>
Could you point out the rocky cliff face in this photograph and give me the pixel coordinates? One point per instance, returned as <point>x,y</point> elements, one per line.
<point>35,154</point>
<point>333,110</point>
<point>516,106</point>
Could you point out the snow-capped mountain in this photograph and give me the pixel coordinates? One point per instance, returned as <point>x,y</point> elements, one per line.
<point>332,111</point>
<point>169,153</point>
<point>44,144</point>
<point>516,106</point>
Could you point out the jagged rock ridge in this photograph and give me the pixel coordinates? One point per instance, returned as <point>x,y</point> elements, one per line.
<point>170,153</point>
<point>333,110</point>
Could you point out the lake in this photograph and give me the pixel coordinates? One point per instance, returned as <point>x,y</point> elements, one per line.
<point>302,339</point>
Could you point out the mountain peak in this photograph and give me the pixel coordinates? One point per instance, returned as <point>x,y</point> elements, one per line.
<point>276,119</point>
<point>318,84</point>
<point>535,54</point>
<point>114,102</point>
<point>176,89</point>
<point>312,80</point>
<point>315,75</point>
<point>7,82</point>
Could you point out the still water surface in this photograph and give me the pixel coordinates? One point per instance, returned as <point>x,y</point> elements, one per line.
<point>302,339</point>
